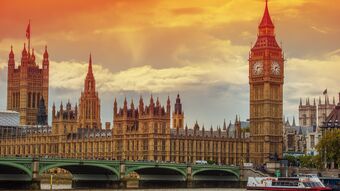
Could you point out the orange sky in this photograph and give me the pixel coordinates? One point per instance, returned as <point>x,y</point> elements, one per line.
<point>196,47</point>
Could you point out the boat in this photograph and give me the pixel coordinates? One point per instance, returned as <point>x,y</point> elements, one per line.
<point>308,182</point>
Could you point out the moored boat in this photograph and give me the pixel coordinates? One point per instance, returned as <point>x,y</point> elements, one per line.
<point>310,183</point>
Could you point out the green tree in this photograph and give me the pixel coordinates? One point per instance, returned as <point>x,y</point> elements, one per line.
<point>328,147</point>
<point>292,160</point>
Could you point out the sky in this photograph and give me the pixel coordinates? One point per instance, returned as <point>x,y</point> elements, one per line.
<point>197,48</point>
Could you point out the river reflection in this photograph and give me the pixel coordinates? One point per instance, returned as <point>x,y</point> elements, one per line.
<point>68,187</point>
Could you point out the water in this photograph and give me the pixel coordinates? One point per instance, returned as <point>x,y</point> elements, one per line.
<point>68,187</point>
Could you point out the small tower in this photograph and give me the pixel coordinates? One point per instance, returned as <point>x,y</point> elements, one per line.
<point>89,102</point>
<point>178,114</point>
<point>26,84</point>
<point>307,114</point>
<point>64,121</point>
<point>42,115</point>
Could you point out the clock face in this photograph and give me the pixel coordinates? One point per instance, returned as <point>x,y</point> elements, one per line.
<point>258,68</point>
<point>275,68</point>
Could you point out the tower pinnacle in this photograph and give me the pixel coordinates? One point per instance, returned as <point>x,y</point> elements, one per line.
<point>90,65</point>
<point>266,20</point>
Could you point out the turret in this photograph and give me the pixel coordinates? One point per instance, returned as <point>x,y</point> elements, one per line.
<point>125,106</point>
<point>157,102</point>
<point>42,115</point>
<point>141,105</point>
<point>11,61</point>
<point>168,106</point>
<point>68,105</point>
<point>224,125</point>
<point>90,84</point>
<point>237,127</point>
<point>132,108</point>
<point>115,107</point>
<point>178,105</point>
<point>53,111</point>
<point>76,110</point>
<point>24,57</point>
<point>151,105</point>
<point>32,58</point>
<point>61,107</point>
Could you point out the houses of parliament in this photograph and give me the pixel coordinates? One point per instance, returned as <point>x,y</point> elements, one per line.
<point>145,129</point>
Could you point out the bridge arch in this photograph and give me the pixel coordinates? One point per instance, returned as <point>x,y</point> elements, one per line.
<point>168,173</point>
<point>86,171</point>
<point>20,172</point>
<point>216,172</point>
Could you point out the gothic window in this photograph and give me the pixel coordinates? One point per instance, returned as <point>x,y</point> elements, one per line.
<point>163,145</point>
<point>304,119</point>
<point>164,128</point>
<point>155,128</point>
<point>312,141</point>
<point>33,100</point>
<point>145,144</point>
<point>38,99</point>
<point>29,100</point>
<point>155,145</point>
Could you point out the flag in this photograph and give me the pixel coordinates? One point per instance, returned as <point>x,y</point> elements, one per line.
<point>325,92</point>
<point>28,30</point>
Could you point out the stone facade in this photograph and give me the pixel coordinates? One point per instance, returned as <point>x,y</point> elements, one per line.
<point>294,138</point>
<point>307,114</point>
<point>142,133</point>
<point>266,78</point>
<point>26,84</point>
<point>89,103</point>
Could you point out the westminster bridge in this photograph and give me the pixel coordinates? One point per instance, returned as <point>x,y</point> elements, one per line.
<point>27,172</point>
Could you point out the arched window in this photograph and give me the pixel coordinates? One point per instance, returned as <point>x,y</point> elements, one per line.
<point>29,100</point>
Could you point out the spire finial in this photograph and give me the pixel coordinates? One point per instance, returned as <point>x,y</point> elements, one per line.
<point>90,64</point>
<point>266,20</point>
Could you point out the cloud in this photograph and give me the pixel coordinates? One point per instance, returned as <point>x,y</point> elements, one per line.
<point>196,65</point>
<point>320,30</point>
<point>307,78</point>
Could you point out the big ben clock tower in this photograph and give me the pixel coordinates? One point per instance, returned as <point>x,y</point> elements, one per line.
<point>266,77</point>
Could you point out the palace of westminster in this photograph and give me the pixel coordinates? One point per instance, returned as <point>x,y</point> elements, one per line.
<point>145,130</point>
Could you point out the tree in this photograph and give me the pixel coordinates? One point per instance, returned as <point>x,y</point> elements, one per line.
<point>292,160</point>
<point>328,147</point>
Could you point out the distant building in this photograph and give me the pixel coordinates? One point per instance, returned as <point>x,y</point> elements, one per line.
<point>178,114</point>
<point>324,109</point>
<point>332,121</point>
<point>306,136</point>
<point>307,114</point>
<point>294,138</point>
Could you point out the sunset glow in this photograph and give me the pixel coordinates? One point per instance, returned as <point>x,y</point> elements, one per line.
<point>197,48</point>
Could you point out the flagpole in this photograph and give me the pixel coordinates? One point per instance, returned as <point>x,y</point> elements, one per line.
<point>29,36</point>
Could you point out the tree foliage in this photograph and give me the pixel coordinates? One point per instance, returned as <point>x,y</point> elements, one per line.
<point>328,147</point>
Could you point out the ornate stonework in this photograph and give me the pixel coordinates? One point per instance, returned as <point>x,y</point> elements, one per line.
<point>26,84</point>
<point>266,76</point>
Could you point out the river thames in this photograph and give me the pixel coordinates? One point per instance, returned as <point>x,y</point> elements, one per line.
<point>68,187</point>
